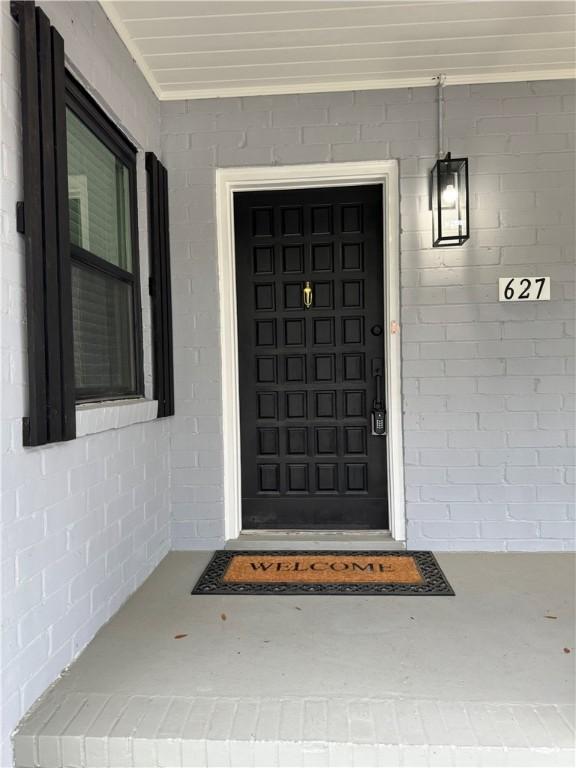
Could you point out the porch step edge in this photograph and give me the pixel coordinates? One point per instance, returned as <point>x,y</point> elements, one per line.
<point>97,731</point>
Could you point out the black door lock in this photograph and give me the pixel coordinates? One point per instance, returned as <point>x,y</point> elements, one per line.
<point>378,416</point>
<point>379,423</point>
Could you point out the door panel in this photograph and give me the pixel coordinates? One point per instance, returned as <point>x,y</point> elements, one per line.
<point>309,460</point>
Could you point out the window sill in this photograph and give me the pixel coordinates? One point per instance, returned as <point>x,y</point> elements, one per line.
<point>113,414</point>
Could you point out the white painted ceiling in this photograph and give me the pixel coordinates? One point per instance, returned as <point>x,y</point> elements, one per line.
<point>206,48</point>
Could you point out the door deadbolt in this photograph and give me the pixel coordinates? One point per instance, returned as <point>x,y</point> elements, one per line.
<point>376,330</point>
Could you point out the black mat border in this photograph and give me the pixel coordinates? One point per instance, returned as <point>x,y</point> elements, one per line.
<point>435,582</point>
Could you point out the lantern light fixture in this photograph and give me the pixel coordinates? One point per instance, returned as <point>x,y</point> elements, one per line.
<point>448,190</point>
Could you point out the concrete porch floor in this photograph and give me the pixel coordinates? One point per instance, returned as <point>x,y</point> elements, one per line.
<point>481,678</point>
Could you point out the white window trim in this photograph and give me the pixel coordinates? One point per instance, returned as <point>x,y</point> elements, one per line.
<point>113,414</point>
<point>231,180</point>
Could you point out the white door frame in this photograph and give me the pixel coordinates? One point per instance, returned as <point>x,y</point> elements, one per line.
<point>231,180</point>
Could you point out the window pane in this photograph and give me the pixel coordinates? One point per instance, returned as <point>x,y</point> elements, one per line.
<point>103,334</point>
<point>98,192</point>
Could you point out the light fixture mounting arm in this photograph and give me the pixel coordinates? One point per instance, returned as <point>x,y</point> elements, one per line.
<point>440,82</point>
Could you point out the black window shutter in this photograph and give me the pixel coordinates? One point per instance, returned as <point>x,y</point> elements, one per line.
<point>44,224</point>
<point>160,289</point>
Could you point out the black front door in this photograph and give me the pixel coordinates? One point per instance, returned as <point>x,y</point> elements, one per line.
<point>309,278</point>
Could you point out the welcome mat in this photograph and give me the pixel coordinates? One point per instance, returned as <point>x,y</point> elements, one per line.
<point>322,573</point>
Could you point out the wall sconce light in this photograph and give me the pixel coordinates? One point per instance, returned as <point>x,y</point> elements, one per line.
<point>449,201</point>
<point>448,191</point>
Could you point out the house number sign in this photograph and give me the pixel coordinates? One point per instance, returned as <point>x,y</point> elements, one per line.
<point>524,289</point>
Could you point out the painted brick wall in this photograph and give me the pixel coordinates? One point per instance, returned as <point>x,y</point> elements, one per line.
<point>488,409</point>
<point>83,523</point>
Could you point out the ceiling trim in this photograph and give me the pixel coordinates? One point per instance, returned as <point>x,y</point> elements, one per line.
<point>118,24</point>
<point>319,87</point>
<point>366,85</point>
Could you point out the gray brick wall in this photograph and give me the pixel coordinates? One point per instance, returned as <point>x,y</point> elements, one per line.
<point>84,522</point>
<point>488,404</point>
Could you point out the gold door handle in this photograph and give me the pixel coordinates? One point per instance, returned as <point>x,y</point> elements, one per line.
<point>307,295</point>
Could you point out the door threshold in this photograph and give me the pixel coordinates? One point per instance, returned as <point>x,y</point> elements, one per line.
<point>299,540</point>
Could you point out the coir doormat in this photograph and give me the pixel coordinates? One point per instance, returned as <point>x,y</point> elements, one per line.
<point>322,573</point>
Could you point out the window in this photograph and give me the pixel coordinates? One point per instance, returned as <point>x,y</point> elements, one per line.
<point>78,218</point>
<point>104,253</point>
